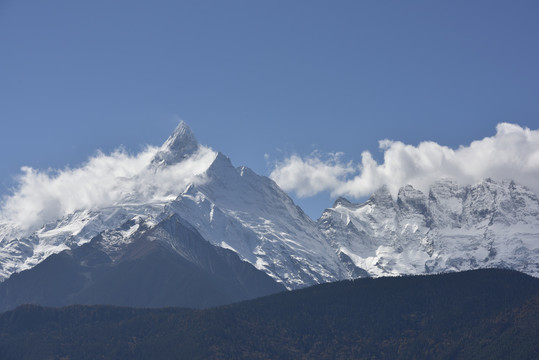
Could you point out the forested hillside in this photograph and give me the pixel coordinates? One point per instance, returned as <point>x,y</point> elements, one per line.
<point>483,314</point>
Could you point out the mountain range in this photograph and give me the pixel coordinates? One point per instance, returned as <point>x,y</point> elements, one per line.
<point>230,234</point>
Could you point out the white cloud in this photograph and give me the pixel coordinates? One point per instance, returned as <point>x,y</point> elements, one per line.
<point>105,180</point>
<point>512,153</point>
<point>311,175</point>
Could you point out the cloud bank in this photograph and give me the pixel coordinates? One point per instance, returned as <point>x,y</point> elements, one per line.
<point>104,180</point>
<point>513,153</point>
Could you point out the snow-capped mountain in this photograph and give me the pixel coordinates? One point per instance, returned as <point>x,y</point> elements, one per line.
<point>452,228</point>
<point>22,249</point>
<point>231,207</point>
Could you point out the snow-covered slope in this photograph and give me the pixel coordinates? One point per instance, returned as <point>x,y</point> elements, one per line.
<point>22,250</point>
<point>453,228</point>
<point>240,210</point>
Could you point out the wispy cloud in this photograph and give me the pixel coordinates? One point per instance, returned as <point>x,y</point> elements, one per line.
<point>512,153</point>
<point>104,180</point>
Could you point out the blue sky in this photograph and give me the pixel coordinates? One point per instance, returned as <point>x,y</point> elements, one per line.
<point>261,81</point>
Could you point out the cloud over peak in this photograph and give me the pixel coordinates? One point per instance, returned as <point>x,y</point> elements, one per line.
<point>513,152</point>
<point>104,180</point>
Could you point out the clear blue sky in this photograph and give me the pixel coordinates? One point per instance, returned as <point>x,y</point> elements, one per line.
<point>260,77</point>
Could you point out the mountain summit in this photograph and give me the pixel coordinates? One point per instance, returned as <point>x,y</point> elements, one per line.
<point>178,147</point>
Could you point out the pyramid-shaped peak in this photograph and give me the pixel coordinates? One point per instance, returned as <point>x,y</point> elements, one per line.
<point>221,164</point>
<point>182,128</point>
<point>179,146</point>
<point>181,138</point>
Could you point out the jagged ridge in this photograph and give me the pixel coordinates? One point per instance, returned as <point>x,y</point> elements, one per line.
<point>454,228</point>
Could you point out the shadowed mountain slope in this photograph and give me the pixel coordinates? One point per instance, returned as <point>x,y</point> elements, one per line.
<point>169,264</point>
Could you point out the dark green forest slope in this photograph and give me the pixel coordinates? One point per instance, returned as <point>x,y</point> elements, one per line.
<point>482,314</point>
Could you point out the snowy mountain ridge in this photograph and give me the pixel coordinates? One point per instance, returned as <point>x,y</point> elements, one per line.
<point>451,228</point>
